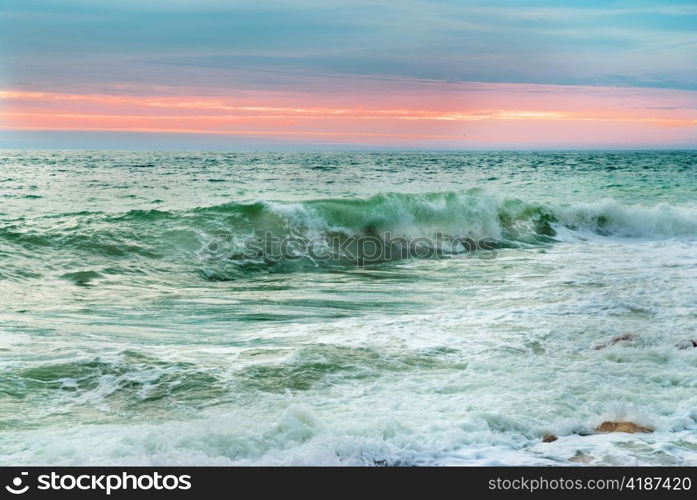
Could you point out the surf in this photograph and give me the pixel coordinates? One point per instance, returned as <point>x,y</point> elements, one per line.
<point>424,225</point>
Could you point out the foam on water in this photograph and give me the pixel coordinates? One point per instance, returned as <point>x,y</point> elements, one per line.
<point>131,333</point>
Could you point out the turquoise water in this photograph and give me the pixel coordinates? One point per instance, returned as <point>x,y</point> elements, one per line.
<point>150,313</point>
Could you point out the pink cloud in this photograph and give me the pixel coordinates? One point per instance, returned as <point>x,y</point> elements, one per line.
<point>377,112</point>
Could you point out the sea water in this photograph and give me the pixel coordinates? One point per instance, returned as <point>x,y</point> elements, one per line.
<point>137,328</point>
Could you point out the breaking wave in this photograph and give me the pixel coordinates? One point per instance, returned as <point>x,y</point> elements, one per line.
<point>439,223</point>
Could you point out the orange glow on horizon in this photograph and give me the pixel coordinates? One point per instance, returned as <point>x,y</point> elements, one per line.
<point>510,112</point>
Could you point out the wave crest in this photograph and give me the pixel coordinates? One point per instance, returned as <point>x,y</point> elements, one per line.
<point>434,220</point>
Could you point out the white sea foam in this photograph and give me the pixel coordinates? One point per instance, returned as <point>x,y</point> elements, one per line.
<point>484,214</point>
<point>166,351</point>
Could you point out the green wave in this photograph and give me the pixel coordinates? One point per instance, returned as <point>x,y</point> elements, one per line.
<point>436,223</point>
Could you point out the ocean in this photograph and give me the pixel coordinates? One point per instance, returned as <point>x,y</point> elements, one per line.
<point>347,308</point>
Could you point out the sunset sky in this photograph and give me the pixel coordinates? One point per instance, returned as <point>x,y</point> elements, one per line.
<point>335,75</point>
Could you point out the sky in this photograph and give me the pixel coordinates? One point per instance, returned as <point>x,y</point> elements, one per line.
<point>344,75</point>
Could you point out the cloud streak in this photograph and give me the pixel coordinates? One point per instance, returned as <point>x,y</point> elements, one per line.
<point>456,116</point>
